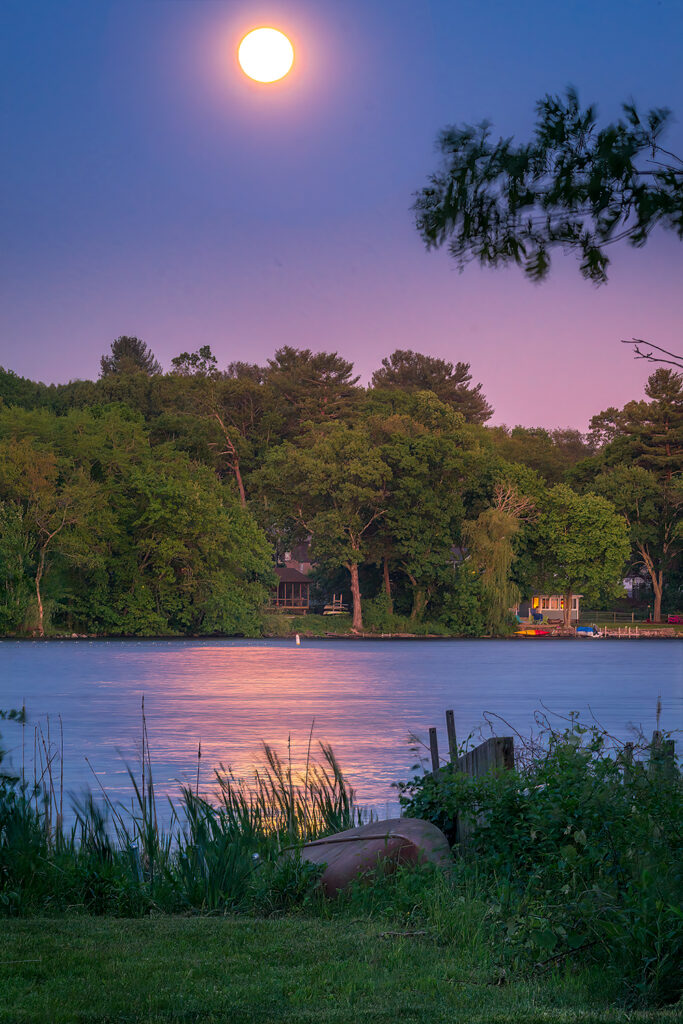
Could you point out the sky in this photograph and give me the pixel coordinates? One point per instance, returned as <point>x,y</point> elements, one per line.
<point>149,188</point>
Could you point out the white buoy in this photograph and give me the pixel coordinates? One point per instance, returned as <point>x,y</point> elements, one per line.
<point>298,640</point>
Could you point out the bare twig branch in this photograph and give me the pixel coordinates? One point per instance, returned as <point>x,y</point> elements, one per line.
<point>676,359</point>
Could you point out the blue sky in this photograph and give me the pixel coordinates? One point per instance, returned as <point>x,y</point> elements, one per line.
<point>150,189</point>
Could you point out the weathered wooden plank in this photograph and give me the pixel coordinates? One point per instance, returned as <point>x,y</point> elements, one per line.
<point>434,749</point>
<point>507,752</point>
<point>495,754</point>
<point>452,740</point>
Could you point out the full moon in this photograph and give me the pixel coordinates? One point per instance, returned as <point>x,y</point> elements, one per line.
<point>266,55</point>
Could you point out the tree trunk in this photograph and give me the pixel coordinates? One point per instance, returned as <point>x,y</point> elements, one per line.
<point>419,602</point>
<point>568,609</point>
<point>39,576</point>
<point>355,593</point>
<point>657,578</point>
<point>658,587</point>
<point>231,451</point>
<point>240,484</point>
<point>387,585</point>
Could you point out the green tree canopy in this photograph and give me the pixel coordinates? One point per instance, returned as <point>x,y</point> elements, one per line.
<point>412,371</point>
<point>333,484</point>
<point>490,546</point>
<point>125,536</point>
<point>424,509</point>
<point>581,546</point>
<point>201,363</point>
<point>550,452</point>
<point>639,467</point>
<point>652,508</point>
<point>60,508</point>
<point>646,434</point>
<point>310,386</point>
<point>15,566</point>
<point>574,186</point>
<point>129,355</point>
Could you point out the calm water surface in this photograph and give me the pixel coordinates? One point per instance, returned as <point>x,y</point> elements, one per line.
<point>364,697</point>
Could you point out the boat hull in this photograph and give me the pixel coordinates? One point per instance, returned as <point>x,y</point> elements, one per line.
<point>385,844</point>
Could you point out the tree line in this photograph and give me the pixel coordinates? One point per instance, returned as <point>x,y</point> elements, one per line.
<point>148,502</point>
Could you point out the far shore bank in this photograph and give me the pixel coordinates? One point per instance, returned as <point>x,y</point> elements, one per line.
<point>635,633</point>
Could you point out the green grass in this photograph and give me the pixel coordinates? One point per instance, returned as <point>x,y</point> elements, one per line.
<point>291,969</point>
<point>286,626</point>
<point>644,627</point>
<point>279,625</point>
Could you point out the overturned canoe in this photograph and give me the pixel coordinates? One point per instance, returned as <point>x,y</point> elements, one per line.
<point>381,843</point>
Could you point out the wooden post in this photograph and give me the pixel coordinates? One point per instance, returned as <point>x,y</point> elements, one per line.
<point>434,748</point>
<point>452,741</point>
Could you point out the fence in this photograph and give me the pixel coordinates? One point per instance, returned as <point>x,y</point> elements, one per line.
<point>588,615</point>
<point>498,753</point>
<point>494,754</point>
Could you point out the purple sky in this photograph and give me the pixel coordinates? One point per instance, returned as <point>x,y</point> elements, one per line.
<point>150,189</point>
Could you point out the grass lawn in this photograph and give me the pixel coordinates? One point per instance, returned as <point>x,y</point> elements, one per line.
<point>241,970</point>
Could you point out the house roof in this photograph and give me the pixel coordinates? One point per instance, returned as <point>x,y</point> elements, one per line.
<point>301,552</point>
<point>287,575</point>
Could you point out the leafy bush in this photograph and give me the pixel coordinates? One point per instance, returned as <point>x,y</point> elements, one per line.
<point>583,855</point>
<point>463,610</point>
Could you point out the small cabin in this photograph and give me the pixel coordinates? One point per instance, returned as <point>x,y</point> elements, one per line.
<point>292,591</point>
<point>548,606</point>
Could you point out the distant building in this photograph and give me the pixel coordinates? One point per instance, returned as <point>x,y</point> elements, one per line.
<point>549,607</point>
<point>299,557</point>
<point>637,588</point>
<point>292,591</point>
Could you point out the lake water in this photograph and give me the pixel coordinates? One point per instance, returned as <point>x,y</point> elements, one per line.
<point>364,697</point>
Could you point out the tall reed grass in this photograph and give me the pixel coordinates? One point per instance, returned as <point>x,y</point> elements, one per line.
<point>218,852</point>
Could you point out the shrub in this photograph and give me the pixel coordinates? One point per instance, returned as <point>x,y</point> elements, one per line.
<point>463,610</point>
<point>583,855</point>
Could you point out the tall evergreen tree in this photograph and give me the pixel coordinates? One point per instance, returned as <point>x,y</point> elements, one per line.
<point>573,186</point>
<point>412,371</point>
<point>315,386</point>
<point>129,355</point>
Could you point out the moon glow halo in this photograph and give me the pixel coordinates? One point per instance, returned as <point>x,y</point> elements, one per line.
<point>265,55</point>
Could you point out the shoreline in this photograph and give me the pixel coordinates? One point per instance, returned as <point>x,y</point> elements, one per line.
<point>665,633</point>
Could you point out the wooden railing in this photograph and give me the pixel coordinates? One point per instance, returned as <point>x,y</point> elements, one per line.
<point>495,754</point>
<point>498,754</point>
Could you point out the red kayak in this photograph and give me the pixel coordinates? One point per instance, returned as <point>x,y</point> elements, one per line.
<point>348,855</point>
